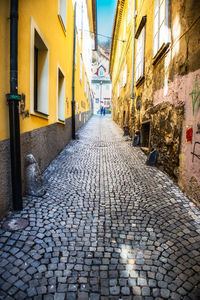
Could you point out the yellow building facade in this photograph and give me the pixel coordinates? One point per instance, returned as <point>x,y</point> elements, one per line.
<point>156,81</point>
<point>121,64</point>
<point>45,73</point>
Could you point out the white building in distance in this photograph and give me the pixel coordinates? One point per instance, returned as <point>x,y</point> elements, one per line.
<point>101,83</point>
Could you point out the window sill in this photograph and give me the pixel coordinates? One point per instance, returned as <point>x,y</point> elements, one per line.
<point>61,122</point>
<point>140,81</point>
<point>40,115</point>
<point>164,48</point>
<point>62,24</point>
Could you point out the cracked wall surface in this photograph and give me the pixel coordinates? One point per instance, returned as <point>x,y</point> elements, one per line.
<point>168,95</point>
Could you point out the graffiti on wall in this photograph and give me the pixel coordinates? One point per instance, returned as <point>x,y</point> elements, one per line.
<point>189,134</point>
<point>195,152</point>
<point>195,94</point>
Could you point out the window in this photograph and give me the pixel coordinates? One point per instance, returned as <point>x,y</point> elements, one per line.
<point>61,96</point>
<point>161,23</point>
<point>81,68</point>
<point>140,55</point>
<point>41,75</point>
<point>62,12</point>
<point>101,71</point>
<point>129,11</point>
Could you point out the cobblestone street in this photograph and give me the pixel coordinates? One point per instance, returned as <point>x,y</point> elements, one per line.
<point>109,227</point>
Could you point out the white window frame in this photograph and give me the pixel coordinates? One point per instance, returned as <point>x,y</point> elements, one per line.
<point>161,25</point>
<point>140,55</point>
<point>62,12</point>
<point>129,11</point>
<point>60,95</point>
<point>43,97</point>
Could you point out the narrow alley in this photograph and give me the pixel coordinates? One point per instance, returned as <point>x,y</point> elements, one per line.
<point>108,227</point>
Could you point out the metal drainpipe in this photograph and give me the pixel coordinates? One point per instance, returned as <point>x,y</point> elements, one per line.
<point>73,78</point>
<point>13,101</point>
<point>133,62</point>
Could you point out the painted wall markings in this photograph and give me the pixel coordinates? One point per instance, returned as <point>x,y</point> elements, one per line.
<point>195,94</point>
<point>194,153</point>
<point>189,134</point>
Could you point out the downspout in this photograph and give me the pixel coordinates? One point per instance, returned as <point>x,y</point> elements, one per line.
<point>73,78</point>
<point>13,101</point>
<point>133,62</point>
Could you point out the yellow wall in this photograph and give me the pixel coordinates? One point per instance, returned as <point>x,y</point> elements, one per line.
<point>121,55</point>
<point>60,53</point>
<point>5,65</point>
<point>90,15</point>
<point>60,49</point>
<point>80,95</point>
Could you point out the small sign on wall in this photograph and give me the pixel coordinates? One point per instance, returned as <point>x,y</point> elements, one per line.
<point>189,134</point>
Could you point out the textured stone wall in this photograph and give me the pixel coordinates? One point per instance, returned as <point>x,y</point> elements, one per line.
<point>168,93</point>
<point>44,143</point>
<point>5,179</point>
<point>166,131</point>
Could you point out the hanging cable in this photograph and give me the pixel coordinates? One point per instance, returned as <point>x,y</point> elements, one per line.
<point>106,36</point>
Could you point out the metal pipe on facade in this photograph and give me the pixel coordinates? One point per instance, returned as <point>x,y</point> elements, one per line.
<point>133,62</point>
<point>73,78</point>
<point>13,101</point>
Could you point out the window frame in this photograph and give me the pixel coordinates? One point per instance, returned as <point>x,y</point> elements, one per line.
<point>162,40</point>
<point>63,19</point>
<point>33,73</point>
<point>62,101</point>
<point>140,52</point>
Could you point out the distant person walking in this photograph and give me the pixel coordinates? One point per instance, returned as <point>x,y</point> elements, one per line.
<point>101,110</point>
<point>104,111</point>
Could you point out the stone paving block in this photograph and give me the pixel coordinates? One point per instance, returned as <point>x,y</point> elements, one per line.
<point>59,296</point>
<point>109,227</point>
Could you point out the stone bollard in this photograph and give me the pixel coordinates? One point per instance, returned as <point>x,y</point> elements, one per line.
<point>136,140</point>
<point>126,130</point>
<point>33,178</point>
<point>152,158</point>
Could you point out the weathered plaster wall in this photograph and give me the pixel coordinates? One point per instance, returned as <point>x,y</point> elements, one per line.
<point>169,97</point>
<point>190,164</point>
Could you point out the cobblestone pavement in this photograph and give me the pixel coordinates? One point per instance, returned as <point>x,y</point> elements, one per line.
<point>109,227</point>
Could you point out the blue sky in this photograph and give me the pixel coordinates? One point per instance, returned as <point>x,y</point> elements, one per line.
<point>105,16</point>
